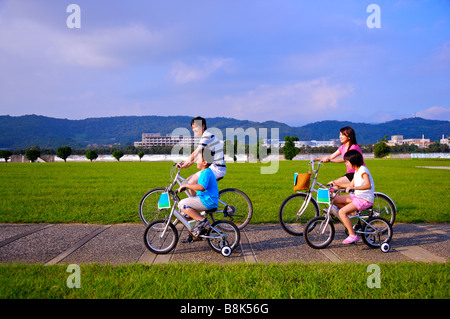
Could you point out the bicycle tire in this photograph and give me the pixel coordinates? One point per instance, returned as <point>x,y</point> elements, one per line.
<point>313,230</point>
<point>232,231</point>
<point>239,207</point>
<point>383,206</point>
<point>148,206</point>
<point>380,232</point>
<point>154,242</point>
<point>288,216</point>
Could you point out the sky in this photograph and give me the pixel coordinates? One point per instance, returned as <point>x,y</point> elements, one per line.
<point>292,61</point>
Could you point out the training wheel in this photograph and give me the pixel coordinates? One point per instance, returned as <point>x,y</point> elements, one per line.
<point>385,247</point>
<point>226,251</point>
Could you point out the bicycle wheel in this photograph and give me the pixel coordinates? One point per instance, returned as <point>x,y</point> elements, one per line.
<point>382,206</point>
<point>233,235</point>
<point>376,232</point>
<point>318,233</point>
<point>235,206</point>
<point>148,206</point>
<point>292,218</point>
<point>156,241</point>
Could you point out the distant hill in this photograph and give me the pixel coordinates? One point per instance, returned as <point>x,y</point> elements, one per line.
<point>46,132</point>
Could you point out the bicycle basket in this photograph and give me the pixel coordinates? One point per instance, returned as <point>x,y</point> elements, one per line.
<point>301,181</point>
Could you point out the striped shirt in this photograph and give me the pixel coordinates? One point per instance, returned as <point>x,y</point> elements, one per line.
<point>214,150</point>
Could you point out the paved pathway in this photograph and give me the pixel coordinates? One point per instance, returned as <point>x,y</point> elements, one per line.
<point>51,244</point>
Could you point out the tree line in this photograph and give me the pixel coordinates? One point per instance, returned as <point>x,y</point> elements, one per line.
<point>380,149</point>
<point>63,152</point>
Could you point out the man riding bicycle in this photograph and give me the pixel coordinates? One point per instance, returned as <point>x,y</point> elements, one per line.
<point>215,148</point>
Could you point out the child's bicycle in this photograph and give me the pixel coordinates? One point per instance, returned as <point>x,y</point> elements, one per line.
<point>297,209</point>
<point>161,235</point>
<point>234,204</point>
<point>376,232</point>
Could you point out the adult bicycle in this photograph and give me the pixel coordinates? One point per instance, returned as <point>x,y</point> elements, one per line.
<point>234,204</point>
<point>297,209</point>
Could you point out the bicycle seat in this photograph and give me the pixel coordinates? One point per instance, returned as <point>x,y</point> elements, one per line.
<point>220,178</point>
<point>210,210</point>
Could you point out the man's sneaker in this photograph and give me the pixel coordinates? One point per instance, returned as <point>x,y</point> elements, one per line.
<point>200,227</point>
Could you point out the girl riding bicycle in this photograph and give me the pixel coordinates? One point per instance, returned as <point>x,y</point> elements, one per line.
<point>363,197</point>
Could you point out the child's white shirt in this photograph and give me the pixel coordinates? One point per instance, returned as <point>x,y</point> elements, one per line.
<point>358,180</point>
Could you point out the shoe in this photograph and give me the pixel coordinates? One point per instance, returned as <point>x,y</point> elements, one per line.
<point>351,239</point>
<point>197,230</point>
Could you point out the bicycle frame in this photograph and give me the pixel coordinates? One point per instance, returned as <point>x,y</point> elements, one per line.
<point>178,179</point>
<point>312,187</point>
<point>174,212</point>
<point>357,215</point>
<point>187,224</point>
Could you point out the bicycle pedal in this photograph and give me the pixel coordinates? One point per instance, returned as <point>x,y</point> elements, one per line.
<point>189,239</point>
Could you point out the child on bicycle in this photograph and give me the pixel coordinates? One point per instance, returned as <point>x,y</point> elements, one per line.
<point>363,197</point>
<point>207,192</point>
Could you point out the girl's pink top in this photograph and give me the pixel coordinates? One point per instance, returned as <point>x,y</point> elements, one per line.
<point>343,151</point>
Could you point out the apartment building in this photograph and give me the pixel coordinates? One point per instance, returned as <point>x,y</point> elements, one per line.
<point>156,139</point>
<point>399,140</point>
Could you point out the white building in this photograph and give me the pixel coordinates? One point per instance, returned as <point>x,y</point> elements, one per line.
<point>155,139</point>
<point>299,144</point>
<point>399,140</point>
<point>444,140</point>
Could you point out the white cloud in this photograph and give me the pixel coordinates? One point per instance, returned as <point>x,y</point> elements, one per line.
<point>435,113</point>
<point>28,40</point>
<point>299,102</point>
<point>183,73</point>
<point>336,60</point>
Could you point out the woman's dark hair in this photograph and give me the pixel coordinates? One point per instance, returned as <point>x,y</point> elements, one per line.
<point>354,157</point>
<point>199,119</point>
<point>350,133</point>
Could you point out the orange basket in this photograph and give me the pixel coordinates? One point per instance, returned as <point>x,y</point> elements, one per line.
<point>301,181</point>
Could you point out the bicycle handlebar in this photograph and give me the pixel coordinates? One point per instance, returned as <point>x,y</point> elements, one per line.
<point>313,166</point>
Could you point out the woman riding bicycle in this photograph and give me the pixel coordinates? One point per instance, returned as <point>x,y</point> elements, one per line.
<point>347,137</point>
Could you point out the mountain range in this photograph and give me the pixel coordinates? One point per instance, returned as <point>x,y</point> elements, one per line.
<point>19,132</point>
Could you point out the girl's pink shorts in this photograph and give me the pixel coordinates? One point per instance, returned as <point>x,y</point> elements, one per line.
<point>361,204</point>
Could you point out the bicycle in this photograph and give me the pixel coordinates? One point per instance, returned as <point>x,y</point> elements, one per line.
<point>234,204</point>
<point>161,236</point>
<point>297,209</point>
<point>376,232</point>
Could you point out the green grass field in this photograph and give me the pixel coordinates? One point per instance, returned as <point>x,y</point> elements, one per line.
<point>109,193</point>
<point>231,281</point>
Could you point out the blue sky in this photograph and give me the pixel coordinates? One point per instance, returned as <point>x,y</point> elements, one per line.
<point>291,61</point>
